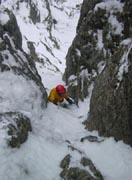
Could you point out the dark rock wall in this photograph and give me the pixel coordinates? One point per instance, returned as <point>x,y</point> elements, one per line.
<point>110,108</point>
<point>111,101</point>
<point>82,58</point>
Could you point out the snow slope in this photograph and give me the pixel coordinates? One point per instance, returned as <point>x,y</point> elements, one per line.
<point>47,145</point>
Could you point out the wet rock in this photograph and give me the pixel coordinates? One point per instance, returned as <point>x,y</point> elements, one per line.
<point>89,163</point>
<point>91,138</point>
<point>76,173</point>
<point>65,162</point>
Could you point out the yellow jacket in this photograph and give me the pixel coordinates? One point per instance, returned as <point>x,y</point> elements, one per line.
<point>54,96</point>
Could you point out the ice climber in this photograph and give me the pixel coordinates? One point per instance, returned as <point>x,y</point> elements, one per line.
<point>58,94</point>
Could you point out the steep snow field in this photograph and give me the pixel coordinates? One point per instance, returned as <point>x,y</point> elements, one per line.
<point>39,158</point>
<point>47,145</point>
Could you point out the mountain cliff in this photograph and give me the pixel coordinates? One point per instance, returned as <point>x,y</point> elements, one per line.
<point>44,141</point>
<point>100,57</point>
<point>21,89</point>
<point>30,34</point>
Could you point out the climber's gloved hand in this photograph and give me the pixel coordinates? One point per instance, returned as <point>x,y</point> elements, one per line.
<point>70,101</point>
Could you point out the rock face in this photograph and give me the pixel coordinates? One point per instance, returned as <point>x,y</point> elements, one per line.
<point>101,54</point>
<point>110,108</point>
<point>77,173</point>
<point>21,89</point>
<point>17,126</point>
<point>82,58</point>
<point>12,57</point>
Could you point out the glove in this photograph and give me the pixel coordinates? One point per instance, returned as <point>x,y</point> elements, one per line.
<point>70,101</point>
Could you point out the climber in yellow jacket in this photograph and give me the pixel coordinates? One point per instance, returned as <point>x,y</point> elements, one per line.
<point>58,94</point>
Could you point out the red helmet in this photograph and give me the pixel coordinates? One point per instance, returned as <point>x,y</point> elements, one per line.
<point>60,89</point>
